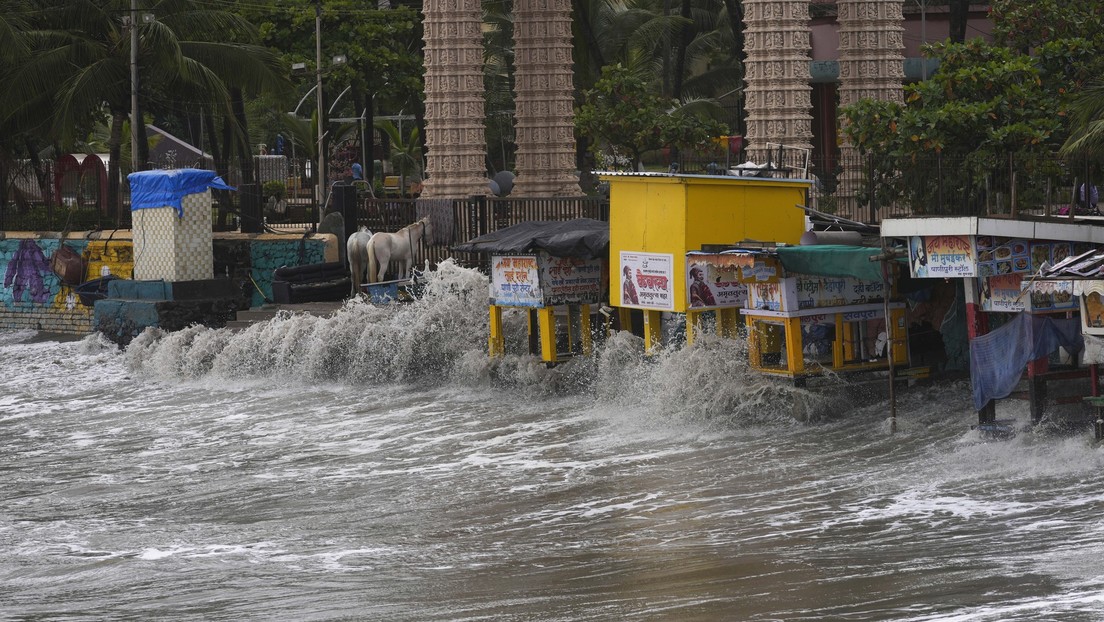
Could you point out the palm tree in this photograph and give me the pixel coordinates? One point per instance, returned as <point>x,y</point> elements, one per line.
<point>1087,122</point>
<point>79,60</point>
<point>406,152</point>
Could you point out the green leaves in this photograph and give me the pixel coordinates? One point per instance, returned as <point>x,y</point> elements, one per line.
<point>623,112</point>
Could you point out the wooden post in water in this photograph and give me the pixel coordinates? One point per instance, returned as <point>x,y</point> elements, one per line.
<point>885,257</point>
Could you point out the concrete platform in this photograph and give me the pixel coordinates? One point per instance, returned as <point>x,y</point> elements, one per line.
<point>245,319</point>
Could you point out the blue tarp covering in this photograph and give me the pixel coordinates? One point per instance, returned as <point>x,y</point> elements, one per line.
<point>997,359</point>
<point>149,189</point>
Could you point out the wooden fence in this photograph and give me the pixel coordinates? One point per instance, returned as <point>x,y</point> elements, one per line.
<point>456,221</point>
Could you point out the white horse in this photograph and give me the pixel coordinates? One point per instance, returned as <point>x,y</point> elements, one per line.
<point>356,249</point>
<point>397,247</point>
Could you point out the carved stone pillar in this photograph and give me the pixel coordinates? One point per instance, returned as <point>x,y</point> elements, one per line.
<point>871,61</point>
<point>543,99</point>
<point>455,141</point>
<point>778,95</point>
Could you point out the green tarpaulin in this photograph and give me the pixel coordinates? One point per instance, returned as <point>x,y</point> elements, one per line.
<point>832,260</point>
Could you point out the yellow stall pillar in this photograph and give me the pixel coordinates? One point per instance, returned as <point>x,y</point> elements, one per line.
<point>584,323</point>
<point>900,336</point>
<point>546,320</point>
<point>795,356</point>
<point>496,344</point>
<point>693,326</point>
<point>653,330</point>
<point>727,322</point>
<point>624,318</point>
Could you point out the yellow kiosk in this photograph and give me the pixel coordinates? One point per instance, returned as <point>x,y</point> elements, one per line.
<point>657,218</point>
<point>552,269</point>
<point>811,309</point>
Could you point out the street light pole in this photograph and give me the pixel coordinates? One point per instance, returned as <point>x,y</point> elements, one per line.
<point>321,110</point>
<point>133,85</point>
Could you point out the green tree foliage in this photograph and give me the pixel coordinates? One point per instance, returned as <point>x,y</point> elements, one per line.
<point>622,112</point>
<point>383,67</point>
<point>989,108</point>
<point>1025,25</point>
<point>73,69</point>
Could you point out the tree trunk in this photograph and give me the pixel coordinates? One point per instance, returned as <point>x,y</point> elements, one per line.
<point>370,146</point>
<point>245,151</point>
<point>43,179</point>
<point>960,13</point>
<point>213,145</point>
<point>685,37</point>
<point>142,141</point>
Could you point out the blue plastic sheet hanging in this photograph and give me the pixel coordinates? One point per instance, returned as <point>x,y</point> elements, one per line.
<point>151,189</point>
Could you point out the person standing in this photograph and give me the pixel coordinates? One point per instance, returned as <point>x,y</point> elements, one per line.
<point>628,288</point>
<point>1088,201</point>
<point>700,293</point>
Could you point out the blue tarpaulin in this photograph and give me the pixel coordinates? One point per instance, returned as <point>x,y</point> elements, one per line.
<point>997,359</point>
<point>149,189</point>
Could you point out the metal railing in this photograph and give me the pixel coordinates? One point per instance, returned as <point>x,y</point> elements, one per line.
<point>863,188</point>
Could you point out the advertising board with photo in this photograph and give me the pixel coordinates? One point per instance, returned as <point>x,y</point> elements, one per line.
<point>647,280</point>
<point>713,283</point>
<point>942,256</point>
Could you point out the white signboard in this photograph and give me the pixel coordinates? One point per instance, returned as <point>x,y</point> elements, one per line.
<point>571,280</point>
<point>942,256</point>
<point>514,281</point>
<point>647,280</point>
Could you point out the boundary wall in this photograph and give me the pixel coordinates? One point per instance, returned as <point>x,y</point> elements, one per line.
<point>33,297</point>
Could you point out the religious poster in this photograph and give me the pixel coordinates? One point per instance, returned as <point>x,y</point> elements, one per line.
<point>712,283</point>
<point>570,280</point>
<point>942,256</point>
<point>647,280</point>
<point>515,281</point>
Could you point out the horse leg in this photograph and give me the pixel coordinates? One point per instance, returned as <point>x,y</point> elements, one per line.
<point>384,260</point>
<point>356,262</point>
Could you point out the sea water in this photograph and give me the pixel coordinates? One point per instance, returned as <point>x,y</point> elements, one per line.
<point>377,466</point>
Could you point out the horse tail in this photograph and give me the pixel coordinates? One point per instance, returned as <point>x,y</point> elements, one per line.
<point>373,263</point>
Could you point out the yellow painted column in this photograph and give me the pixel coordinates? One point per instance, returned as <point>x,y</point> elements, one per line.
<point>534,331</point>
<point>755,352</point>
<point>848,330</point>
<point>624,317</point>
<point>584,323</point>
<point>795,359</point>
<point>896,328</point>
<point>547,325</point>
<point>653,330</point>
<point>692,326</point>
<point>496,344</point>
<point>569,327</point>
<point>838,355</point>
<point>727,322</point>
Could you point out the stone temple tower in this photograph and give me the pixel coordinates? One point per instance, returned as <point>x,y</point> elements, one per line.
<point>871,57</point>
<point>456,144</point>
<point>778,97</point>
<point>544,99</point>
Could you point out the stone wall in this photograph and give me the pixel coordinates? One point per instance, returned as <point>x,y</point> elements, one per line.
<point>33,297</point>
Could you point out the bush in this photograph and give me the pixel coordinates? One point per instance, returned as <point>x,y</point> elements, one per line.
<point>274,188</point>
